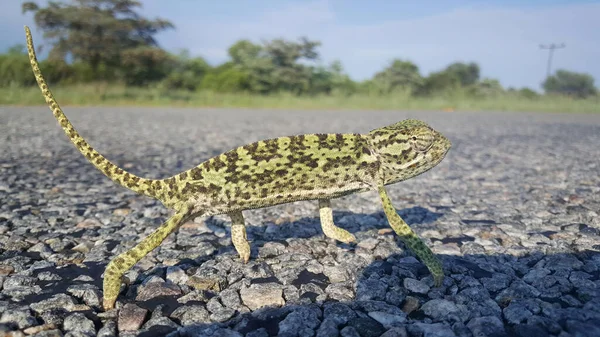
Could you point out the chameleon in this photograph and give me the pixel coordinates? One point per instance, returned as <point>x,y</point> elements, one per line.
<point>271,172</point>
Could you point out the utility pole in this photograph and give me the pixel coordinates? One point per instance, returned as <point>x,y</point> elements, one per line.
<point>551,48</point>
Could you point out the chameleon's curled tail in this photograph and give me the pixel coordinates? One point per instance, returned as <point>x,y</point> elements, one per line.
<point>148,187</point>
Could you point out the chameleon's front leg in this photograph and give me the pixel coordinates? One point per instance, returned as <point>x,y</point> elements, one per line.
<point>329,228</point>
<point>410,239</point>
<point>238,235</point>
<point>120,264</point>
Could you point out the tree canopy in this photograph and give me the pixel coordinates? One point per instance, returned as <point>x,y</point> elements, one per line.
<point>100,33</point>
<point>570,83</point>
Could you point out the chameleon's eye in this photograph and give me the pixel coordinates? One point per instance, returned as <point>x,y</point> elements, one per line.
<point>422,140</point>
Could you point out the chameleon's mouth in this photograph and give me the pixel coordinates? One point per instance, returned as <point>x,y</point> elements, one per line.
<point>441,146</point>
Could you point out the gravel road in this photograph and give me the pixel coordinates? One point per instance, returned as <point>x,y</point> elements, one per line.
<point>513,211</point>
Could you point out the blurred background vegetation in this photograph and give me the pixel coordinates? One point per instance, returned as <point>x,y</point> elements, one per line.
<point>104,52</point>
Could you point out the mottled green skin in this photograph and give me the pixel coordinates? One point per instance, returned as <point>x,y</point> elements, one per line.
<point>271,172</point>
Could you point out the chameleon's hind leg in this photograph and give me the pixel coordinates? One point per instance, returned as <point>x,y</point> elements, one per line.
<point>411,240</point>
<point>329,228</point>
<point>238,235</point>
<point>120,264</point>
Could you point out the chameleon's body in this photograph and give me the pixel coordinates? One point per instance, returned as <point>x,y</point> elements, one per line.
<point>271,172</point>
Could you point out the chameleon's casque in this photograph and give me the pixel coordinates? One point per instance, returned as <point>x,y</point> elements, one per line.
<point>270,172</point>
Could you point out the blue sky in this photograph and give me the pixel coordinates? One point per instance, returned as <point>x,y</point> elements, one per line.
<point>503,37</point>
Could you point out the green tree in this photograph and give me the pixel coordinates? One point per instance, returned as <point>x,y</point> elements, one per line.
<point>186,72</point>
<point>439,82</point>
<point>243,51</point>
<point>528,93</point>
<point>276,65</point>
<point>468,74</point>
<point>399,74</point>
<point>570,83</point>
<point>226,78</point>
<point>341,83</point>
<point>485,87</point>
<point>14,68</point>
<point>98,32</point>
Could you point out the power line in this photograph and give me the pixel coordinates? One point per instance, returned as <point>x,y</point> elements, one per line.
<point>551,47</point>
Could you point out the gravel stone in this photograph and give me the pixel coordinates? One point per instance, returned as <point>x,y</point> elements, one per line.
<point>260,295</point>
<point>131,317</point>
<point>388,320</point>
<point>154,289</point>
<point>433,330</point>
<point>486,326</point>
<point>328,328</point>
<point>20,318</point>
<point>367,327</point>
<point>416,286</point>
<point>191,314</point>
<point>439,310</point>
<point>338,312</point>
<point>300,322</point>
<point>78,324</point>
<point>396,332</point>
<point>371,290</point>
<point>349,331</point>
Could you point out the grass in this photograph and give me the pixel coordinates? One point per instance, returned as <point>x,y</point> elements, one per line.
<point>119,95</point>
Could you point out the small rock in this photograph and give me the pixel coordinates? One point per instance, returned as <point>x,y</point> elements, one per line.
<point>300,322</point>
<point>416,286</point>
<point>486,326</point>
<point>387,320</point>
<point>263,294</point>
<point>22,319</point>
<point>530,330</point>
<point>338,312</point>
<point>78,323</point>
<point>349,331</point>
<point>153,290</point>
<point>230,298</point>
<point>40,328</point>
<point>222,314</point>
<point>516,313</point>
<point>328,328</point>
<point>176,275</point>
<point>410,304</point>
<point>371,289</point>
<point>160,326</point>
<point>396,332</point>
<point>367,327</point>
<point>58,301</point>
<point>433,330</point>
<point>131,317</point>
<point>339,292</point>
<point>191,314</point>
<point>261,332</point>
<point>6,269</point>
<point>439,309</point>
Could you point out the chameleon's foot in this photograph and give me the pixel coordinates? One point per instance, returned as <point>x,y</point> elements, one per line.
<point>328,226</point>
<point>108,303</point>
<point>438,279</point>
<point>111,286</point>
<point>342,235</point>
<point>238,237</point>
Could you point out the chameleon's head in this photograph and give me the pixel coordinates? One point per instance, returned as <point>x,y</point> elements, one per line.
<point>407,149</point>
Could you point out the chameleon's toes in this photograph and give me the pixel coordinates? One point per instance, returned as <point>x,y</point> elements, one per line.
<point>108,303</point>
<point>437,280</point>
<point>245,257</point>
<point>350,238</point>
